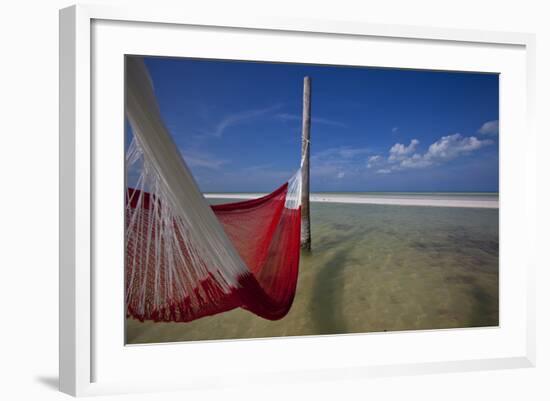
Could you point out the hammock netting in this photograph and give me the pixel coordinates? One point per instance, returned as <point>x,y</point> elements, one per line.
<point>186,259</point>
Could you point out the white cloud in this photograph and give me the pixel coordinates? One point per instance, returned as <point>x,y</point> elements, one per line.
<point>452,146</point>
<point>338,162</point>
<point>344,152</point>
<point>202,159</point>
<point>416,161</point>
<point>374,160</point>
<point>446,148</point>
<point>400,151</point>
<point>489,128</point>
<point>394,129</point>
<point>240,117</point>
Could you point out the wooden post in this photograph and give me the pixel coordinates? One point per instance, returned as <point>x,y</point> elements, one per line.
<point>306,145</point>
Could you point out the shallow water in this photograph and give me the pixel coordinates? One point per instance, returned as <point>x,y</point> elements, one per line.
<point>374,268</point>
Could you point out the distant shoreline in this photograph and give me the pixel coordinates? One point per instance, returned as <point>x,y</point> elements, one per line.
<point>379,200</point>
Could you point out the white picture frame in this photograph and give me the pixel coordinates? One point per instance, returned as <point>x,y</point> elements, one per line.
<point>93,358</point>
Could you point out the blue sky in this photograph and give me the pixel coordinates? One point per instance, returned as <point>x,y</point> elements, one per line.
<point>238,125</point>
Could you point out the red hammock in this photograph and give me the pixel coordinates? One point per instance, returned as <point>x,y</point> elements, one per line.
<point>266,235</point>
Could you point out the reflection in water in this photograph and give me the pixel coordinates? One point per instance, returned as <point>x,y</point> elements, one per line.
<point>374,268</point>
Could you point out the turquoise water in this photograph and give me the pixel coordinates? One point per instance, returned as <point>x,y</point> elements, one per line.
<point>374,268</point>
